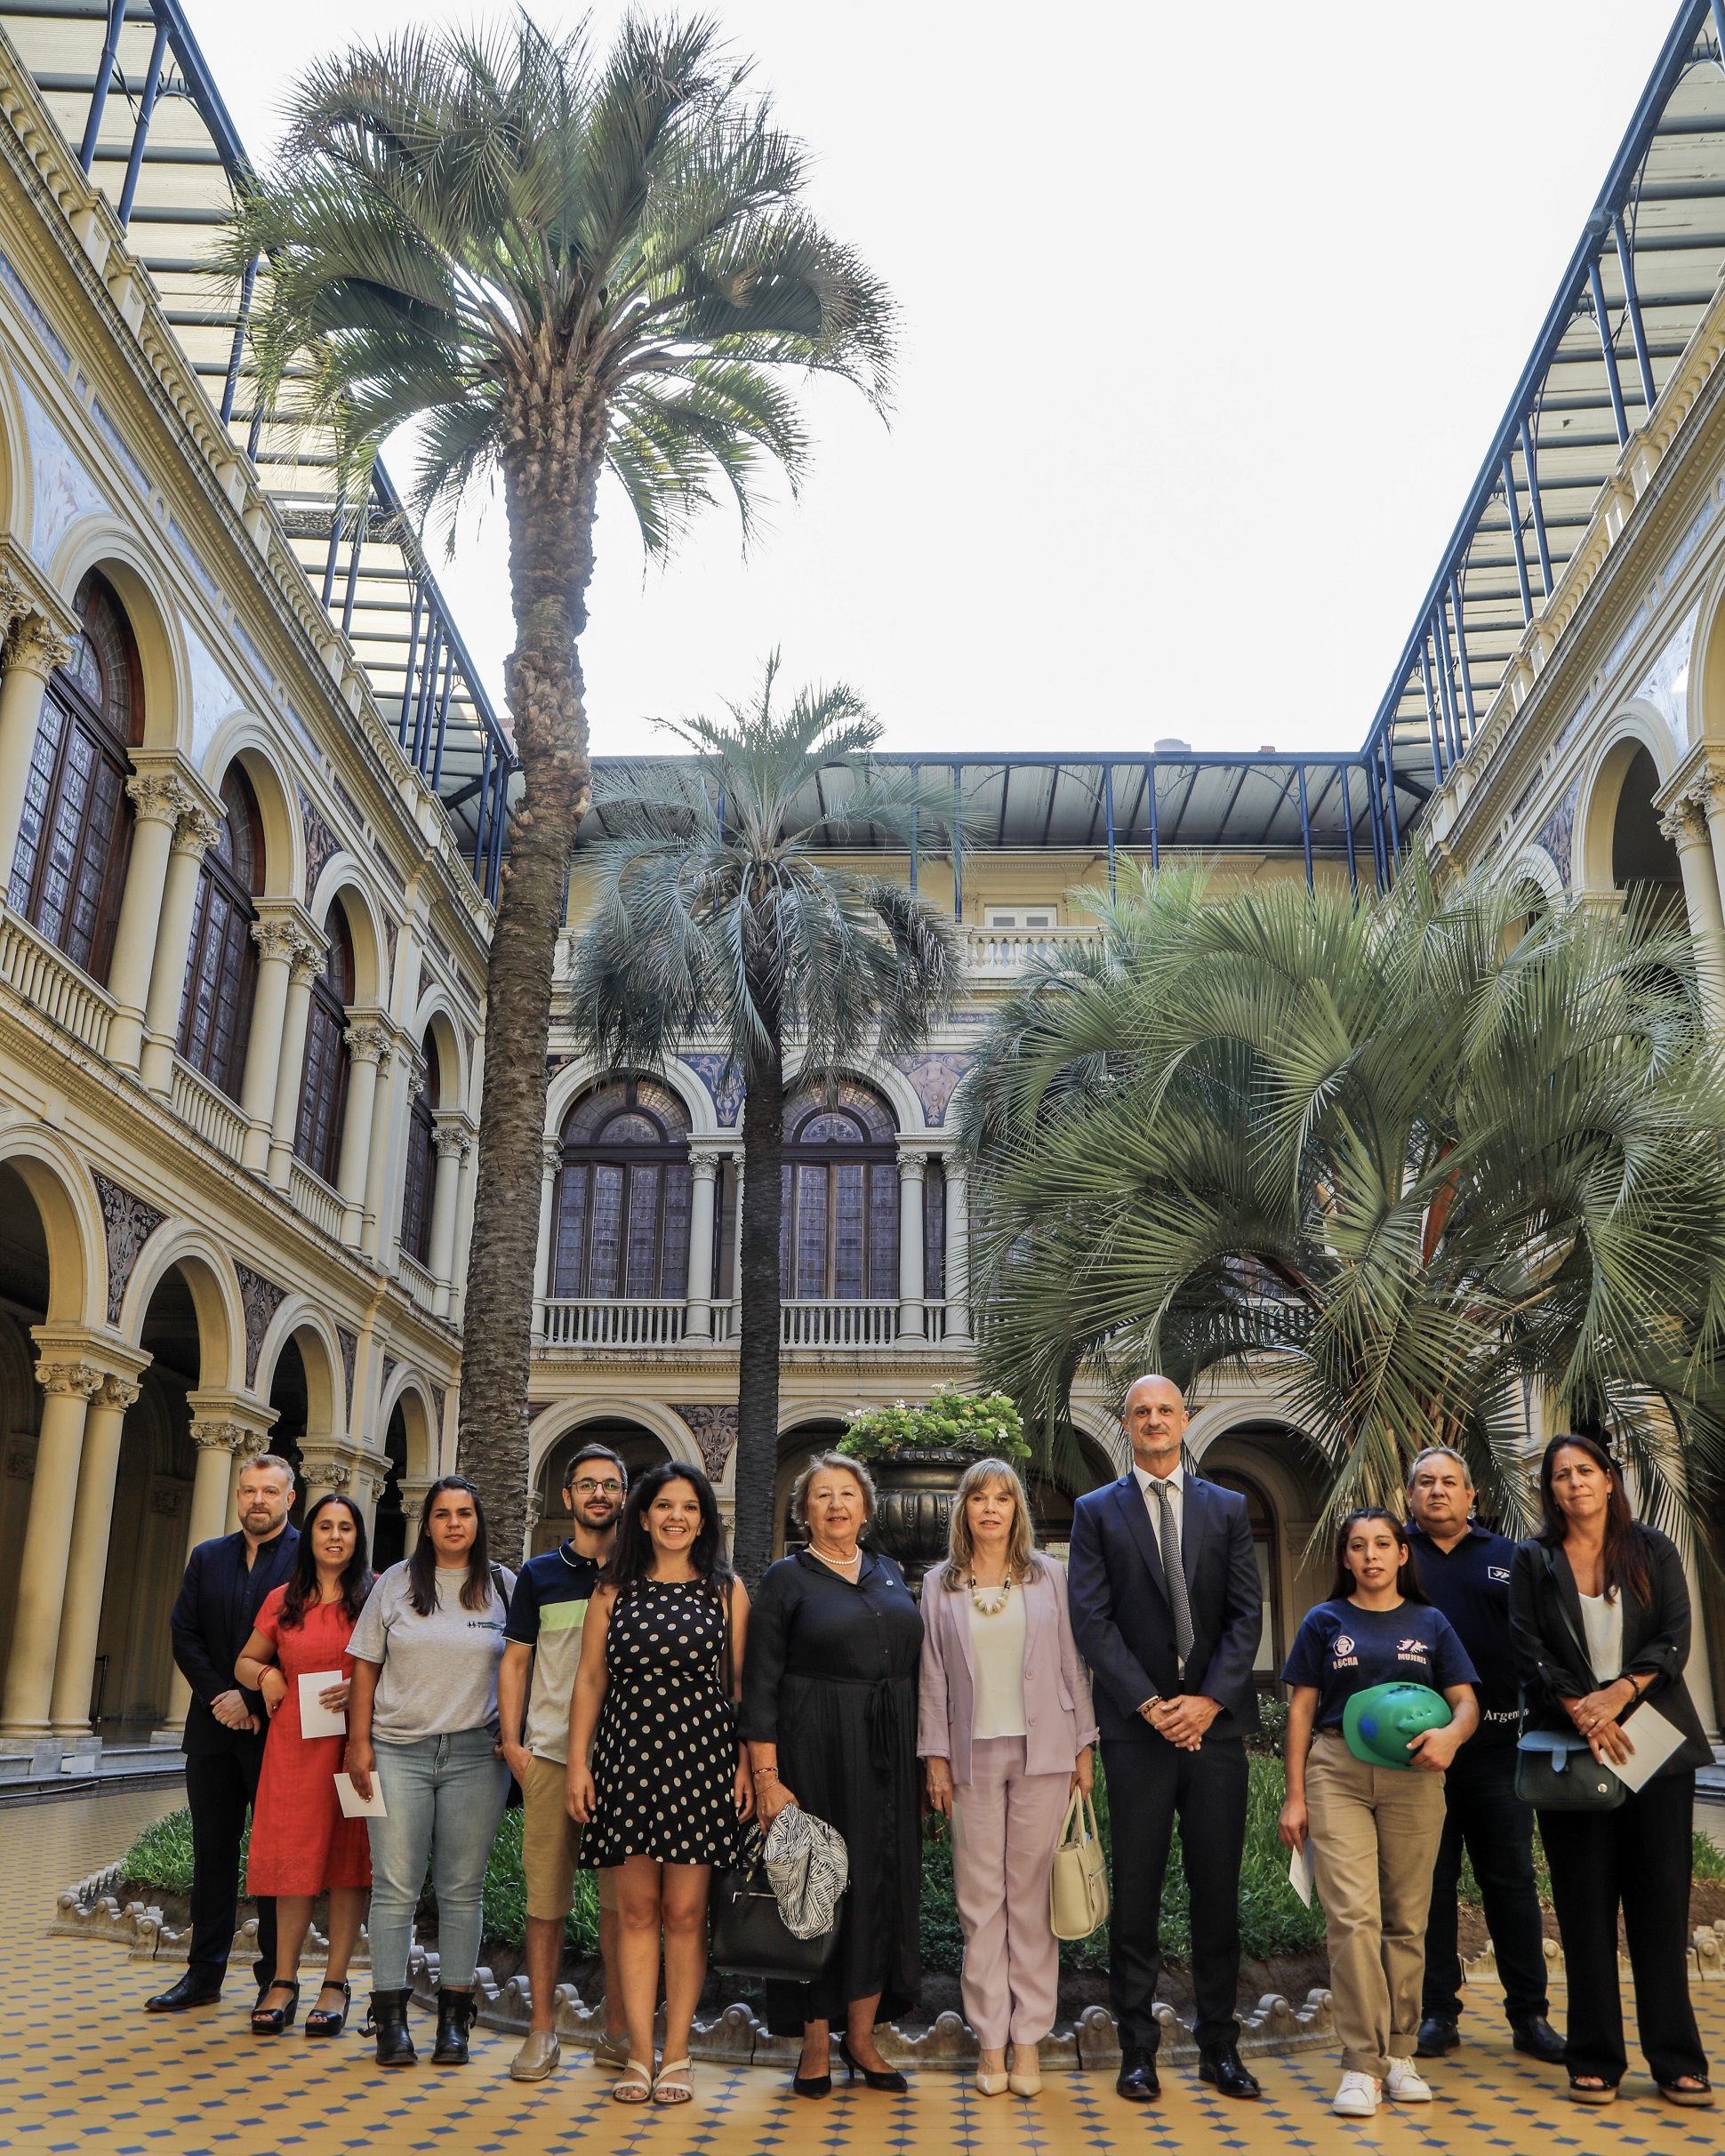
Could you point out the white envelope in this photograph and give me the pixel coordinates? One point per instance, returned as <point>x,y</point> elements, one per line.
<point>1303,1871</point>
<point>356,1807</point>
<point>1654,1739</point>
<point>316,1719</point>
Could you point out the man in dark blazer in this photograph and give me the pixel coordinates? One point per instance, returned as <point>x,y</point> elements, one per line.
<point>225,1585</point>
<point>1168,1609</point>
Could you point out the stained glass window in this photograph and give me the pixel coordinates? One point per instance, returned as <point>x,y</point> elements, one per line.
<point>621,1214</point>
<point>221,966</point>
<point>324,1088</point>
<point>74,832</point>
<point>839,1210</point>
<point>419,1185</point>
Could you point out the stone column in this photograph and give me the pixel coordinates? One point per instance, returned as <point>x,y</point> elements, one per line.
<point>194,835</point>
<point>735,1315</point>
<point>703,1169</point>
<point>70,1382</point>
<point>550,1158</point>
<point>1708,793</point>
<point>912,1321</point>
<point>159,801</point>
<point>36,648</point>
<point>451,1139</point>
<point>305,965</point>
<point>1686,823</point>
<point>279,941</point>
<point>86,1562</point>
<point>380,1231</point>
<point>366,1042</point>
<point>219,1442</point>
<point>413,1498</point>
<point>958,1250</point>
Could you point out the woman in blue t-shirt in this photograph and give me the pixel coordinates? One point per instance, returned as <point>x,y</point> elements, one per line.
<point>1375,1829</point>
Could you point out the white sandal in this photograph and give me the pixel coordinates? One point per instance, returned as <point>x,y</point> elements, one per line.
<point>668,2092</point>
<point>624,2091</point>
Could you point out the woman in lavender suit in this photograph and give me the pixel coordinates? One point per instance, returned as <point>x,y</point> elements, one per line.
<point>1005,1729</point>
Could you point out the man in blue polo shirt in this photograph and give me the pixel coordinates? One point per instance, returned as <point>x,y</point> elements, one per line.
<point>1465,1569</point>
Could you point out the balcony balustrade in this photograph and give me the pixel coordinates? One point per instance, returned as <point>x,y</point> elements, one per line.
<point>415,1278</point>
<point>1003,954</point>
<point>208,1110</point>
<point>33,969</point>
<point>309,1194</point>
<point>662,1322</point>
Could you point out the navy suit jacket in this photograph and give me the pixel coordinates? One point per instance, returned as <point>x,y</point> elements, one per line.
<point>217,1602</point>
<point>1124,1623</point>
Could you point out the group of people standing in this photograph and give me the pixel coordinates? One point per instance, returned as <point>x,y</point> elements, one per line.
<point>646,1711</point>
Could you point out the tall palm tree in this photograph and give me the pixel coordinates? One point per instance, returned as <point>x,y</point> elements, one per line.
<point>560,267</point>
<point>1417,1155</point>
<point>716,918</point>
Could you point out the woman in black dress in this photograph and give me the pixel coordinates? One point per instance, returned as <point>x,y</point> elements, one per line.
<point>669,1780</point>
<point>829,1712</point>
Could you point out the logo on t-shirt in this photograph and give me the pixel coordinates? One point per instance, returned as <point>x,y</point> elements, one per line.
<point>1343,1644</point>
<point>1342,1655</point>
<point>1411,1650</point>
<point>1497,1572</point>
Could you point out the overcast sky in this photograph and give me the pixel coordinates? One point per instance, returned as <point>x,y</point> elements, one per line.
<point>1209,314</point>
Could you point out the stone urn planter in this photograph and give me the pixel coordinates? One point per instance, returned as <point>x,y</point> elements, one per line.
<point>915,1487</point>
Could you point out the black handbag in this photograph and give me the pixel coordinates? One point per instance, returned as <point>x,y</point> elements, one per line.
<point>749,1937</point>
<point>1555,1770</point>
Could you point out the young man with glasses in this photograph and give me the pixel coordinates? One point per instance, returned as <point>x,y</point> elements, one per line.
<point>543,1633</point>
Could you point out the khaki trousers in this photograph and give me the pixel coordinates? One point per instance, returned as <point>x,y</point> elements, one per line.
<point>1375,1836</point>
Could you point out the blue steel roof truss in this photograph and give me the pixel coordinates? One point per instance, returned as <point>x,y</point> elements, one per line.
<point>131,89</point>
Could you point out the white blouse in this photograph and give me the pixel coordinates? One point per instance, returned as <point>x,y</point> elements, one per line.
<point>1602,1621</point>
<point>996,1665</point>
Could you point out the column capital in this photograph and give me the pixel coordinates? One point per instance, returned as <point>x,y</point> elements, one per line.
<point>36,647</point>
<point>276,940</point>
<point>27,598</point>
<point>79,1361</point>
<point>158,796</point>
<point>196,831</point>
<point>551,1155</point>
<point>219,1437</point>
<point>247,1420</point>
<point>450,1134</point>
<point>57,1376</point>
<point>913,1162</point>
<point>1685,821</point>
<point>704,1162</point>
<point>368,1041</point>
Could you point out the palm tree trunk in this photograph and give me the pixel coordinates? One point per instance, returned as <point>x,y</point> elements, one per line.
<point>757,1361</point>
<point>551,502</point>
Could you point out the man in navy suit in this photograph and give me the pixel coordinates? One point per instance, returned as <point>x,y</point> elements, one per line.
<point>225,1585</point>
<point>1166,1609</point>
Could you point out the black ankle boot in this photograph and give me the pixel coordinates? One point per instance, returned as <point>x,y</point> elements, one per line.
<point>454,2013</point>
<point>395,2046</point>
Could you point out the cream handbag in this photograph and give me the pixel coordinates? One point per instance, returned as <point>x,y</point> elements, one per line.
<point>1078,1885</point>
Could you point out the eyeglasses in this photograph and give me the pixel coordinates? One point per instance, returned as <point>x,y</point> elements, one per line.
<point>588,1487</point>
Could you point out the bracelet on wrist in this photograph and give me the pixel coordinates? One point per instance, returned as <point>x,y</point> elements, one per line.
<point>766,1774</point>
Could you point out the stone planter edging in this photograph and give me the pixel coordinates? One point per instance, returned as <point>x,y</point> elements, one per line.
<point>90,1910</point>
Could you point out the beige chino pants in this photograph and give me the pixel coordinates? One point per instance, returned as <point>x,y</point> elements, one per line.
<point>1375,1836</point>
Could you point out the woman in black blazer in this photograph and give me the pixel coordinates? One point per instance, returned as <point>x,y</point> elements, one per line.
<point>1599,1617</point>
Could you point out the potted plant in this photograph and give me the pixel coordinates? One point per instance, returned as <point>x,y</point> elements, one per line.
<point>917,1455</point>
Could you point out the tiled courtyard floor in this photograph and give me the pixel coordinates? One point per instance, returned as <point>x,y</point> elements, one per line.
<point>81,2069</point>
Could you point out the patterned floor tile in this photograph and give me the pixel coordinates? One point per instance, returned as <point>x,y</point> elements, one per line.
<point>84,2073</point>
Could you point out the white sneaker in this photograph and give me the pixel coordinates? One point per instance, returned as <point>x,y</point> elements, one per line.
<point>1404,2085</point>
<point>1357,2098</point>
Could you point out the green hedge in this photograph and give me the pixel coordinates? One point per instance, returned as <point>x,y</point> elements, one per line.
<point>1273,1919</point>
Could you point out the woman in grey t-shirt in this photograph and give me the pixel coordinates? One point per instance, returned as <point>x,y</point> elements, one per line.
<point>422,1726</point>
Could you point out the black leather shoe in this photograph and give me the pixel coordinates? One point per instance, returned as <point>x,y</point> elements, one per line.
<point>1223,2069</point>
<point>388,2024</point>
<point>455,2017</point>
<point>1137,2081</point>
<point>892,2080</point>
<point>1538,2040</point>
<point>191,1991</point>
<point>1437,2036</point>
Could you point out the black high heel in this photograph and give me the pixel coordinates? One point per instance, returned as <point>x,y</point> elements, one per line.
<point>893,2082</point>
<point>321,2022</point>
<point>271,2021</point>
<point>811,2084</point>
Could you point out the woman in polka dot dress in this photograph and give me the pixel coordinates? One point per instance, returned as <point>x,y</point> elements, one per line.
<point>656,1773</point>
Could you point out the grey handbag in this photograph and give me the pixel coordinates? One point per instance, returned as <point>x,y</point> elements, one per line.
<point>1555,1771</point>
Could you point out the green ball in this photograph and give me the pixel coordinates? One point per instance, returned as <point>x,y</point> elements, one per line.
<point>1380,1724</point>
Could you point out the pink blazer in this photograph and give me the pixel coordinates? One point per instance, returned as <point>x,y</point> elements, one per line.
<point>1058,1722</point>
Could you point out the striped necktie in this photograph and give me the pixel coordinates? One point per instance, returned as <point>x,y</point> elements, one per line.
<point>1174,1572</point>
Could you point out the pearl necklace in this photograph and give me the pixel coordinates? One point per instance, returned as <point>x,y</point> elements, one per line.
<point>852,1565</point>
<point>990,1601</point>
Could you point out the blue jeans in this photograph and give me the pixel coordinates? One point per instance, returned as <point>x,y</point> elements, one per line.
<point>445,1796</point>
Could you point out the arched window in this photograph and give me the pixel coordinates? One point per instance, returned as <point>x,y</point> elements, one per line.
<point>74,835</point>
<point>420,1184</point>
<point>323,1089</point>
<point>623,1196</point>
<point>839,1219</point>
<point>221,968</point>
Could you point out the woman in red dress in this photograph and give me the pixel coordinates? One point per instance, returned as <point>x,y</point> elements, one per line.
<point>302,1847</point>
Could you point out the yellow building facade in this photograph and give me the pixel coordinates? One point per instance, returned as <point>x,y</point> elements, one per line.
<point>251,809</point>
